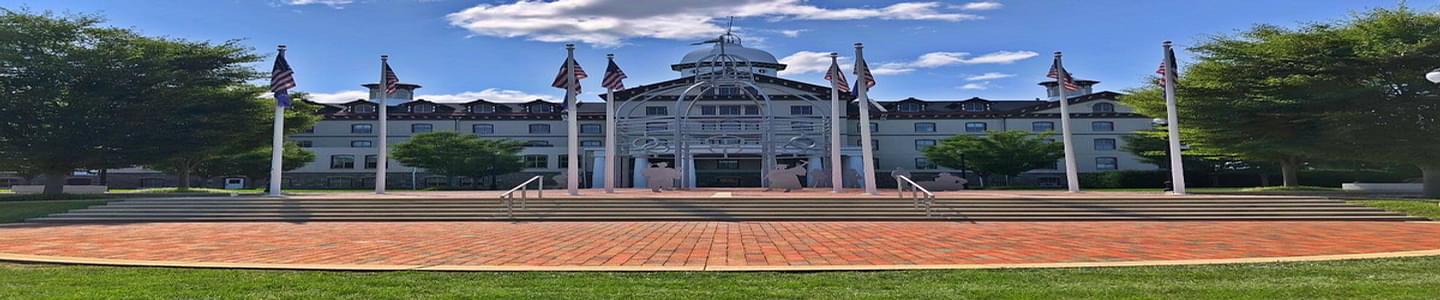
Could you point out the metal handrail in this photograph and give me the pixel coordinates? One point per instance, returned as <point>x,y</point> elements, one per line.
<point>928,199</point>
<point>508,198</point>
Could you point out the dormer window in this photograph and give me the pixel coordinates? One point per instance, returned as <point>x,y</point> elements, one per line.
<point>911,107</point>
<point>363,108</point>
<point>483,108</point>
<point>542,108</point>
<point>974,106</point>
<point>423,108</point>
<point>1103,108</point>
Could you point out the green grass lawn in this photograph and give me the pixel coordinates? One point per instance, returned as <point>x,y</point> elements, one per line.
<point>16,211</point>
<point>1415,207</point>
<point>1405,278</point>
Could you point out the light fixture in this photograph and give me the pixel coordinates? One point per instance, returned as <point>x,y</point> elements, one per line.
<point>1433,76</point>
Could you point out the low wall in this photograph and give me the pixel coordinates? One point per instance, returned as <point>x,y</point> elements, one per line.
<point>69,189</point>
<point>1384,187</point>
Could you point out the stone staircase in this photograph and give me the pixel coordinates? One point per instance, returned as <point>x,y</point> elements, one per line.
<point>1158,208</point>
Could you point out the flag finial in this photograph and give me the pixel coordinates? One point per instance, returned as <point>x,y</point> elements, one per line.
<point>281,47</point>
<point>1167,44</point>
<point>610,56</point>
<point>834,55</point>
<point>1057,53</point>
<point>569,46</point>
<point>384,56</point>
<point>859,45</point>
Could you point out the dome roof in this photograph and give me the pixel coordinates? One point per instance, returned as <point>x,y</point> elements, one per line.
<point>751,54</point>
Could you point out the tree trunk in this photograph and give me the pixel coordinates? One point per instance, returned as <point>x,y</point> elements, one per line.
<point>1290,172</point>
<point>1431,177</point>
<point>104,177</point>
<point>493,182</point>
<point>184,175</point>
<point>55,182</point>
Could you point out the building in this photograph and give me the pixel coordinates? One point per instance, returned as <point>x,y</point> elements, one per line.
<point>722,121</point>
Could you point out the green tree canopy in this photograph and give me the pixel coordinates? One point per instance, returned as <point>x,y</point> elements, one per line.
<point>1006,153</point>
<point>454,154</point>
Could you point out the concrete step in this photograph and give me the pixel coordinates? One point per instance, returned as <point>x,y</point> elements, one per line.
<point>765,218</point>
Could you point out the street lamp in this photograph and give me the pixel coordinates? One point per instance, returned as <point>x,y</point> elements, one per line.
<point>1433,76</point>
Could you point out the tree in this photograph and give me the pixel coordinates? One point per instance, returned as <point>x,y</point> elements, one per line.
<point>218,131</point>
<point>255,164</point>
<point>1350,90</point>
<point>1006,153</point>
<point>454,154</point>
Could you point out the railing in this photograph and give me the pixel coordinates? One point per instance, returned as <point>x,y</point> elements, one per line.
<point>508,198</point>
<point>927,199</point>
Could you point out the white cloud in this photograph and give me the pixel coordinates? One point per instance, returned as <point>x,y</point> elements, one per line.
<point>989,76</point>
<point>984,5</point>
<point>976,86</point>
<point>816,62</point>
<point>792,33</point>
<point>492,94</point>
<point>610,22</point>
<point>331,3</point>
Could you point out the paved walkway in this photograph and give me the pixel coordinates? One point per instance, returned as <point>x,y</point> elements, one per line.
<point>704,245</point>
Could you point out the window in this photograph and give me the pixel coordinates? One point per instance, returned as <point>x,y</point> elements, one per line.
<point>483,108</point>
<point>362,128</point>
<point>537,161</point>
<point>875,145</point>
<point>371,161</point>
<point>1102,126</point>
<point>707,110</point>
<point>925,127</point>
<point>727,164</point>
<point>539,128</point>
<point>543,107</point>
<point>421,128</point>
<point>752,110</point>
<point>1042,126</point>
<point>874,127</point>
<point>591,143</point>
<point>361,144</point>
<point>537,143</point>
<point>362,108</point>
<point>483,128</point>
<point>1104,144</point>
<point>591,128</point>
<point>910,107</point>
<point>305,144</point>
<point>974,106</point>
<point>922,163</point>
<point>802,110</point>
<point>562,161</point>
<point>976,127</point>
<point>342,161</point>
<point>310,130</point>
<point>423,108</point>
<point>657,111</point>
<point>1106,163</point>
<point>729,110</point>
<point>1103,108</point>
<point>920,145</point>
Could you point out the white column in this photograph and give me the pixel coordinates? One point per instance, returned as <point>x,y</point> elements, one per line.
<point>814,164</point>
<point>597,174</point>
<point>610,133</point>
<point>690,172</point>
<point>641,163</point>
<point>382,158</point>
<point>277,143</point>
<point>572,142</point>
<point>866,149</point>
<point>837,178</point>
<point>1177,161</point>
<point>1072,173</point>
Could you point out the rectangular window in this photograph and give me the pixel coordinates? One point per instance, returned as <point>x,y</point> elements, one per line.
<point>752,110</point>
<point>707,110</point>
<point>974,106</point>
<point>363,108</point>
<point>342,161</point>
<point>874,127</point>
<point>562,161</point>
<point>1102,126</point>
<point>1106,163</point>
<point>371,161</point>
<point>544,108</point>
<point>539,128</point>
<point>911,107</point>
<point>727,164</point>
<point>657,111</point>
<point>305,144</point>
<point>1104,144</point>
<point>922,163</point>
<point>423,108</point>
<point>976,127</point>
<point>924,127</point>
<point>1042,126</point>
<point>421,128</point>
<point>310,130</point>
<point>591,128</point>
<point>362,128</point>
<point>483,128</point>
<point>591,143</point>
<point>537,161</point>
<point>483,108</point>
<point>875,145</point>
<point>802,110</point>
<point>361,144</point>
<point>537,143</point>
<point>730,110</point>
<point>921,145</point>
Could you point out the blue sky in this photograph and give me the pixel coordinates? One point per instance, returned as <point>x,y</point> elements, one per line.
<point>509,51</point>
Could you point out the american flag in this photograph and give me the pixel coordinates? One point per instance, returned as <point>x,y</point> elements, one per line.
<point>392,82</point>
<point>837,78</point>
<point>614,77</point>
<point>1162,73</point>
<point>1068,80</point>
<point>862,71</point>
<point>1165,77</point>
<point>282,79</point>
<point>561,80</point>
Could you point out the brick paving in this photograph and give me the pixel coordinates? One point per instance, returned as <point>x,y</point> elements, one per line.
<point>688,244</point>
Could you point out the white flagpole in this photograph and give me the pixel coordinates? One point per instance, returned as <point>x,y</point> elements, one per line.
<point>867,150</point>
<point>1072,174</point>
<point>277,144</point>
<point>381,158</point>
<point>1177,165</point>
<point>837,179</point>
<point>572,177</point>
<point>610,177</point>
